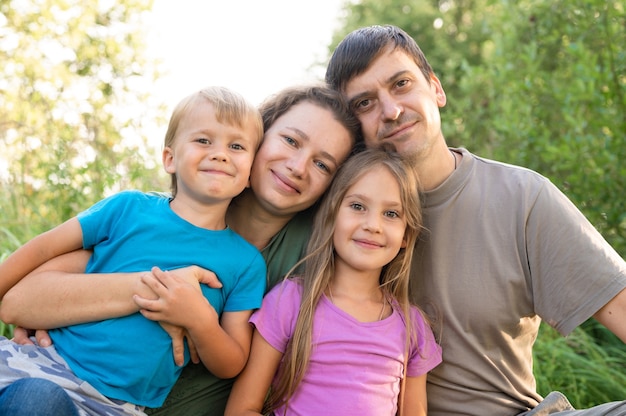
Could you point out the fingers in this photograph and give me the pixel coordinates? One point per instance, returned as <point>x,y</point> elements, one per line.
<point>21,336</point>
<point>149,305</point>
<point>209,278</point>
<point>195,358</point>
<point>42,337</point>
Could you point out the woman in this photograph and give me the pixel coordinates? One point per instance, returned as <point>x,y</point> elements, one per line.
<point>309,132</point>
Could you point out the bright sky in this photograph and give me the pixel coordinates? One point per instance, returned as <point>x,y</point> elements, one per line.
<point>255,47</point>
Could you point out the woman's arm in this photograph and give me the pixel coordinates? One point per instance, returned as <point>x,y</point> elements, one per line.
<point>251,387</point>
<point>413,401</point>
<point>62,239</point>
<point>59,293</point>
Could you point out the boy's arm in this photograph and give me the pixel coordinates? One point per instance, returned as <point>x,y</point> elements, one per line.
<point>413,401</point>
<point>222,348</point>
<point>251,387</point>
<point>61,239</point>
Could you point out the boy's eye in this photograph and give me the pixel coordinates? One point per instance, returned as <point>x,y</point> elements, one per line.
<point>203,140</point>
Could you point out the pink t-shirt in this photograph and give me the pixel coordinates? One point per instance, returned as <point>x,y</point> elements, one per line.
<point>355,367</point>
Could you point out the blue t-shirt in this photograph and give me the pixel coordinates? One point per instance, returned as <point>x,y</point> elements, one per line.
<point>130,358</point>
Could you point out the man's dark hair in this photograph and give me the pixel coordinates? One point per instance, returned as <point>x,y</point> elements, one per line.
<point>359,48</point>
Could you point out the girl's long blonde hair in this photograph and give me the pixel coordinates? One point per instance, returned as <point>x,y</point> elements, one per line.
<point>319,263</point>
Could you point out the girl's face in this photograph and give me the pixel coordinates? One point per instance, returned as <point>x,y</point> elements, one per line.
<point>298,158</point>
<point>370,223</point>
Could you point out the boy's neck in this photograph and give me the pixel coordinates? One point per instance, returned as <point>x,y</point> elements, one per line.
<point>208,216</point>
<point>254,223</point>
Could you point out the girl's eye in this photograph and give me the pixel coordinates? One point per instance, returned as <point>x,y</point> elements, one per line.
<point>356,206</point>
<point>236,146</point>
<point>392,214</point>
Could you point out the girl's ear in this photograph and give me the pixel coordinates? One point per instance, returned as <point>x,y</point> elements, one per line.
<point>403,245</point>
<point>168,160</point>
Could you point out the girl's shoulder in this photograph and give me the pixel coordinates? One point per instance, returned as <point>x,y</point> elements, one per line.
<point>290,288</point>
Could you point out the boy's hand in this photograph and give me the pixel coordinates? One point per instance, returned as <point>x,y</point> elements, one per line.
<point>194,274</point>
<point>177,302</point>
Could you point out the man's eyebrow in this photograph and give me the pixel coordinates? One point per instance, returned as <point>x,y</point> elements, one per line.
<point>389,80</point>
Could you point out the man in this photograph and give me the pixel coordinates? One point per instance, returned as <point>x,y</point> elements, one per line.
<point>503,247</point>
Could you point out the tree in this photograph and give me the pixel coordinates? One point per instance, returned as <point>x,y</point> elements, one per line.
<point>73,105</point>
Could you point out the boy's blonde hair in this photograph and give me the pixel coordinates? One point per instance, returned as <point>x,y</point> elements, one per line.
<point>230,108</point>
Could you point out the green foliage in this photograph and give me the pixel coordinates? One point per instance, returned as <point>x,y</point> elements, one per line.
<point>541,84</point>
<point>588,371</point>
<point>73,101</point>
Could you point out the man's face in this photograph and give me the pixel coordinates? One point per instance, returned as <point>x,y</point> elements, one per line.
<point>396,104</point>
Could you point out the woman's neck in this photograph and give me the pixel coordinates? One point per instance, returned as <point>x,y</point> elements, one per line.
<point>252,221</point>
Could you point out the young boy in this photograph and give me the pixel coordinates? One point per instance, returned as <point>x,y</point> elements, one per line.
<point>120,365</point>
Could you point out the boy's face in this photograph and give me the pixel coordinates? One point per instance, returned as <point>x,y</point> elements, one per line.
<point>396,103</point>
<point>211,160</point>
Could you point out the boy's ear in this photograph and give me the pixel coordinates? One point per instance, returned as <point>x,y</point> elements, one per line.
<point>168,160</point>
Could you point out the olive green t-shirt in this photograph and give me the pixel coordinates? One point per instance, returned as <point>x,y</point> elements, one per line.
<point>198,392</point>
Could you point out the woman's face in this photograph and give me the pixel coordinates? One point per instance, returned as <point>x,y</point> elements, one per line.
<point>298,158</point>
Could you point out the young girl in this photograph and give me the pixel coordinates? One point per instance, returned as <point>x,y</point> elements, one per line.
<point>342,339</point>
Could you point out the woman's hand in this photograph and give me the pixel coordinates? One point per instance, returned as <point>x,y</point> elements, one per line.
<point>22,336</point>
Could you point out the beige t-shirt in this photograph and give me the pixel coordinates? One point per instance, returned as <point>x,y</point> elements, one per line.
<point>503,247</point>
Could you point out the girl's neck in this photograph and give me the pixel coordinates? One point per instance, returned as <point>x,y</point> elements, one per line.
<point>360,296</point>
<point>254,223</point>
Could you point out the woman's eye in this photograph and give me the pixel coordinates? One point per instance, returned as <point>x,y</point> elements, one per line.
<point>290,140</point>
<point>322,166</point>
